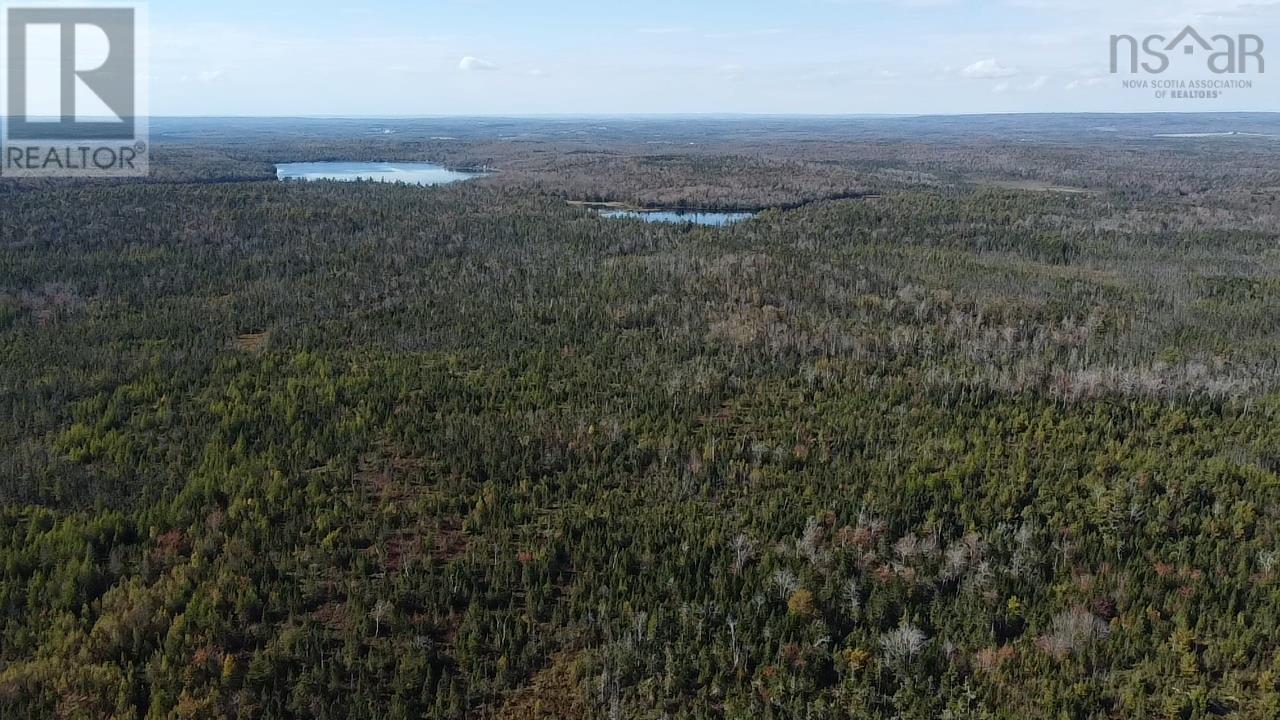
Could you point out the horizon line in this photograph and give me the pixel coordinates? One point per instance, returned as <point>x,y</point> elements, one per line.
<point>710,115</point>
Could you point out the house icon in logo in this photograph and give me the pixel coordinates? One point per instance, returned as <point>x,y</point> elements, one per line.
<point>1185,39</point>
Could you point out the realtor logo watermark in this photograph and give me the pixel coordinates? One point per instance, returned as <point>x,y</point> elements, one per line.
<point>74,89</point>
<point>1214,66</point>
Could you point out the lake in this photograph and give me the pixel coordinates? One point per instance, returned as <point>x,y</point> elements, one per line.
<point>410,173</point>
<point>680,217</point>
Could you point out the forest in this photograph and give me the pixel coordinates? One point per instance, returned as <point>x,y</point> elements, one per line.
<point>977,418</point>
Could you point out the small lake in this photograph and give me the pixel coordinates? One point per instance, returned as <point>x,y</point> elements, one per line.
<point>680,217</point>
<point>410,173</point>
<point>1197,135</point>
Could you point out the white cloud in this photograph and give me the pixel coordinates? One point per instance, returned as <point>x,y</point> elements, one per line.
<point>473,64</point>
<point>909,4</point>
<point>988,70</point>
<point>1087,83</point>
<point>744,34</point>
<point>1256,10</point>
<point>731,72</point>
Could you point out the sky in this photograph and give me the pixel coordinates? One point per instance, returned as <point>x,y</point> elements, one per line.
<point>522,57</point>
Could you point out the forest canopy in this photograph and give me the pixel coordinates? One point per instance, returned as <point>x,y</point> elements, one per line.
<point>958,426</point>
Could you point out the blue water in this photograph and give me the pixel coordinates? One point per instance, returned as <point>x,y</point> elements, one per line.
<point>713,219</point>
<point>411,173</point>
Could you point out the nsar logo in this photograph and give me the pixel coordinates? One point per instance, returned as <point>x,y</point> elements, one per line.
<point>1222,54</point>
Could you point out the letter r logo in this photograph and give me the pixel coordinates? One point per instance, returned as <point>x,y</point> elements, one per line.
<point>71,73</point>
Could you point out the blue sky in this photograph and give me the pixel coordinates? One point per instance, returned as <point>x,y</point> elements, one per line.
<point>450,57</point>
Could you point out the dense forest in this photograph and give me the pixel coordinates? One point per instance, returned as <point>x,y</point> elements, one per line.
<point>976,419</point>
